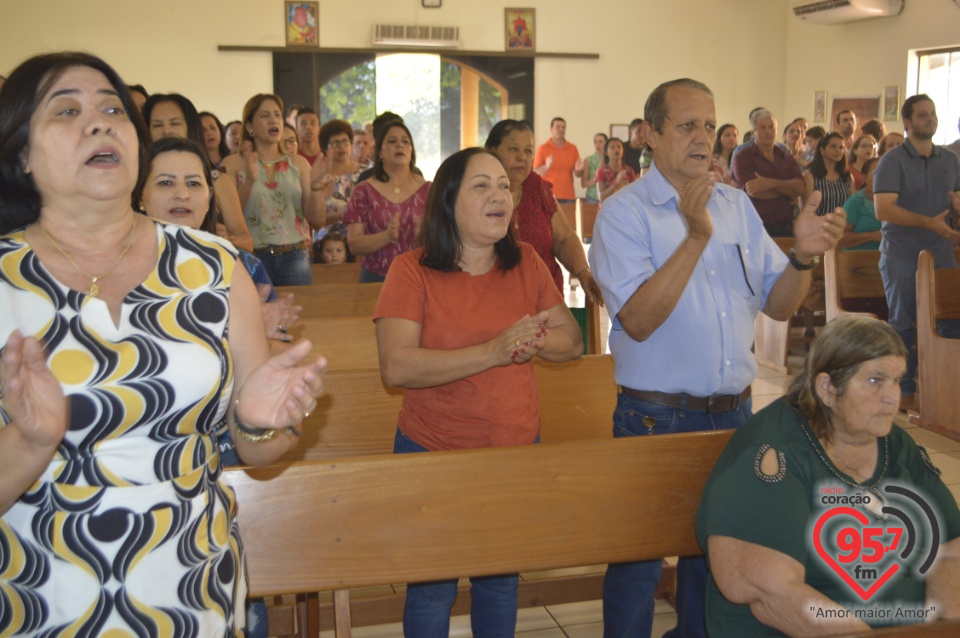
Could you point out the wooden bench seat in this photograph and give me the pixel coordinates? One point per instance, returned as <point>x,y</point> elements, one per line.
<point>851,281</point>
<point>938,297</point>
<point>356,415</point>
<point>370,521</point>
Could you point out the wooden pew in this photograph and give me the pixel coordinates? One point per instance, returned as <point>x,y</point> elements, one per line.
<point>370,521</point>
<point>357,416</point>
<point>348,343</point>
<point>938,297</point>
<point>570,214</point>
<point>588,217</point>
<point>852,275</point>
<point>339,274</point>
<point>771,344</point>
<point>335,300</point>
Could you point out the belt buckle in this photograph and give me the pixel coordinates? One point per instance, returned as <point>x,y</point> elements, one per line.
<point>718,403</point>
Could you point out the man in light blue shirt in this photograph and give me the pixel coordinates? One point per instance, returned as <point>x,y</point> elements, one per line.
<point>685,265</point>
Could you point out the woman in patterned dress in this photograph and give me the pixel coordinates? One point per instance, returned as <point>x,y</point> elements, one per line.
<point>116,369</point>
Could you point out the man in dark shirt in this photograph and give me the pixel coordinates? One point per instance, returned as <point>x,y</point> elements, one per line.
<point>770,176</point>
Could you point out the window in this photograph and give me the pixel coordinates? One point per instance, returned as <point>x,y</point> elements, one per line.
<point>939,77</point>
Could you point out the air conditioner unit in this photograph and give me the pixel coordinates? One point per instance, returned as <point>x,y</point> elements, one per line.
<point>416,36</point>
<point>840,11</point>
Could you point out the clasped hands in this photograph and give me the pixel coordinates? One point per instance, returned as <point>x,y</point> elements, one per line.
<point>522,341</point>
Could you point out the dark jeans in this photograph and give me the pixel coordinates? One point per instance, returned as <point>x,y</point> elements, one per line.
<point>426,613</point>
<point>367,277</point>
<point>628,588</point>
<point>288,269</point>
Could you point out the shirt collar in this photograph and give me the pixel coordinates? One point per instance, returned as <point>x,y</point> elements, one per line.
<point>661,191</point>
<point>912,151</point>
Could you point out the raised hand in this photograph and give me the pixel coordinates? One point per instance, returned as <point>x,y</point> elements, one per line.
<point>32,396</point>
<point>251,159</point>
<point>693,205</point>
<point>816,235</point>
<point>522,341</point>
<point>281,392</point>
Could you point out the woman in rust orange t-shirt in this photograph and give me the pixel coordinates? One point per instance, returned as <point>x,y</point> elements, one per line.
<point>458,322</point>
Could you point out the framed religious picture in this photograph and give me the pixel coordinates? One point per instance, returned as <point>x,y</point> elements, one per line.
<point>865,108</point>
<point>891,103</point>
<point>819,107</point>
<point>521,29</point>
<point>300,23</point>
<point>621,132</point>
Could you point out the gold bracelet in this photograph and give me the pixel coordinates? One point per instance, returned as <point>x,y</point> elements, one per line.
<point>580,272</point>
<point>247,433</point>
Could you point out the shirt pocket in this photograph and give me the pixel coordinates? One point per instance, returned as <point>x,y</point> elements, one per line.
<point>744,271</point>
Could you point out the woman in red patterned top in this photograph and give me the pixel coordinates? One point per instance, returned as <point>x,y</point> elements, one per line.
<point>534,207</point>
<point>384,211</point>
<point>614,174</point>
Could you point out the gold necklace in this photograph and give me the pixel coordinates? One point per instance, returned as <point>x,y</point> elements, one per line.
<point>94,286</point>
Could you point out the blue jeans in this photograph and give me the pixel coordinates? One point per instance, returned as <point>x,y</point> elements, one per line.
<point>900,285</point>
<point>367,277</point>
<point>288,269</point>
<point>628,588</point>
<point>426,613</point>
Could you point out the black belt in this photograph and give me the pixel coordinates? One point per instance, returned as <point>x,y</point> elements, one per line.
<point>281,250</point>
<point>715,403</point>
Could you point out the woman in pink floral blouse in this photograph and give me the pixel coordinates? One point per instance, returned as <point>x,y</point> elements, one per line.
<point>383,214</point>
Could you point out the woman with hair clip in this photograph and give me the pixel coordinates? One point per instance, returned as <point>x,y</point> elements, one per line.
<point>384,211</point>
<point>278,201</point>
<point>458,322</point>
<point>173,115</point>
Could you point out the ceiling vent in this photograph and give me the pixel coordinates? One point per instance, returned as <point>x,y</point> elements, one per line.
<point>416,36</point>
<point>840,11</point>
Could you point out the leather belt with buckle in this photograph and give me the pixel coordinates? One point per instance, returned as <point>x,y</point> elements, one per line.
<point>281,250</point>
<point>715,403</point>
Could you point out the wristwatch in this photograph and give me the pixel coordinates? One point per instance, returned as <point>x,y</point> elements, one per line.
<point>796,262</point>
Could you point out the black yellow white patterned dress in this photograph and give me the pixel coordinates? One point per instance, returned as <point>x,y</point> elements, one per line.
<point>128,531</point>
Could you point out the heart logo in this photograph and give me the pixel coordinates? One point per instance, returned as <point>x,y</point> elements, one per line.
<point>829,560</point>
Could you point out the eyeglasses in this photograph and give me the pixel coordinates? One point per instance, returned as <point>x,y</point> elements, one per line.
<point>289,140</point>
<point>339,143</point>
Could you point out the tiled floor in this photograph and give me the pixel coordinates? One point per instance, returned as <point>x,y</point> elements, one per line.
<point>584,619</point>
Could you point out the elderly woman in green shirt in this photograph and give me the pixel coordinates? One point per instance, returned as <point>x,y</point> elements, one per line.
<point>802,487</point>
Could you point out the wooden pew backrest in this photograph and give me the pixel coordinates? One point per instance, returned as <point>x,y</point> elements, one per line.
<point>851,274</point>
<point>938,297</point>
<point>335,300</point>
<point>367,521</point>
<point>588,217</point>
<point>339,274</point>
<point>357,416</point>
